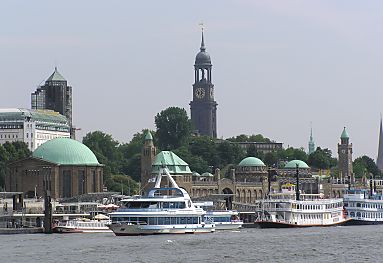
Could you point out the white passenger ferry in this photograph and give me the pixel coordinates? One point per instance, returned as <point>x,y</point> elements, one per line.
<point>224,219</point>
<point>162,211</point>
<point>363,208</point>
<point>292,209</point>
<point>82,225</point>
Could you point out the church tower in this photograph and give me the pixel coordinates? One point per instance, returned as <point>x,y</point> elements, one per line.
<point>311,142</point>
<point>203,107</point>
<point>345,157</point>
<point>148,153</point>
<point>379,161</point>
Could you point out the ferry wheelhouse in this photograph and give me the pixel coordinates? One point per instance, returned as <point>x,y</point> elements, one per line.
<point>292,209</point>
<point>363,208</point>
<point>163,211</point>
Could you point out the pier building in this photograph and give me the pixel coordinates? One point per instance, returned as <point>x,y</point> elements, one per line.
<point>34,127</point>
<point>63,166</point>
<point>247,183</point>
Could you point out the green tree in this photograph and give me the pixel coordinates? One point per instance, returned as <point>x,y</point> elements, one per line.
<point>196,162</point>
<point>321,159</point>
<point>251,138</point>
<point>364,165</point>
<point>205,147</point>
<point>9,152</point>
<point>271,159</point>
<point>173,128</point>
<point>229,153</point>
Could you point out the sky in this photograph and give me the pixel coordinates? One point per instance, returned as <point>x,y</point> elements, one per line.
<point>277,65</point>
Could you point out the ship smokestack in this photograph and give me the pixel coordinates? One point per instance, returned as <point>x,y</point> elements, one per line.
<point>268,181</point>
<point>371,189</point>
<point>297,187</point>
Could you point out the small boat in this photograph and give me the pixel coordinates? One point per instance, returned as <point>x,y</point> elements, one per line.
<point>292,209</point>
<point>224,219</point>
<point>165,210</point>
<point>362,207</point>
<point>82,225</point>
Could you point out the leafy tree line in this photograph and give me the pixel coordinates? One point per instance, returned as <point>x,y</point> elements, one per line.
<point>202,153</point>
<point>9,152</point>
<point>122,161</point>
<point>364,166</point>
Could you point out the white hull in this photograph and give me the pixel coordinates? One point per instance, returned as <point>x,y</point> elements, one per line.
<point>126,229</point>
<point>81,230</point>
<point>80,226</point>
<point>228,225</point>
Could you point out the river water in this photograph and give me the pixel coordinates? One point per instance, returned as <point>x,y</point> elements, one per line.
<point>340,244</point>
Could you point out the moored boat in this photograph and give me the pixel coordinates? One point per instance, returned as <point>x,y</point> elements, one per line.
<point>224,219</point>
<point>165,210</point>
<point>363,208</point>
<point>291,209</point>
<point>82,225</point>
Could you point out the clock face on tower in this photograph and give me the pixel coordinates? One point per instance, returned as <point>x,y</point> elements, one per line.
<point>200,93</point>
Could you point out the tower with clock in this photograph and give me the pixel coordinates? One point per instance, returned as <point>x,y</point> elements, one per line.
<point>345,158</point>
<point>203,107</point>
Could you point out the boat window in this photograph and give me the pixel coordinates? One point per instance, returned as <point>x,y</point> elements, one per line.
<point>357,204</point>
<point>152,221</point>
<point>195,220</point>
<point>189,220</point>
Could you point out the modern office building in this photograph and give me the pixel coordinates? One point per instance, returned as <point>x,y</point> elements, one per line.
<point>34,127</point>
<point>55,95</point>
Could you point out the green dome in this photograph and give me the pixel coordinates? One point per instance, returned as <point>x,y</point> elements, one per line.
<point>207,174</point>
<point>251,161</point>
<point>293,164</point>
<point>66,151</point>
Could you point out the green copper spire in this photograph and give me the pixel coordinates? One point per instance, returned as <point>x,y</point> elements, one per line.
<point>311,142</point>
<point>148,136</point>
<point>344,134</point>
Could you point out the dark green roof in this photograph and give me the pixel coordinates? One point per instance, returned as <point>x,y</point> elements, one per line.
<point>251,161</point>
<point>174,163</point>
<point>65,151</point>
<point>293,164</point>
<point>56,76</point>
<point>344,134</point>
